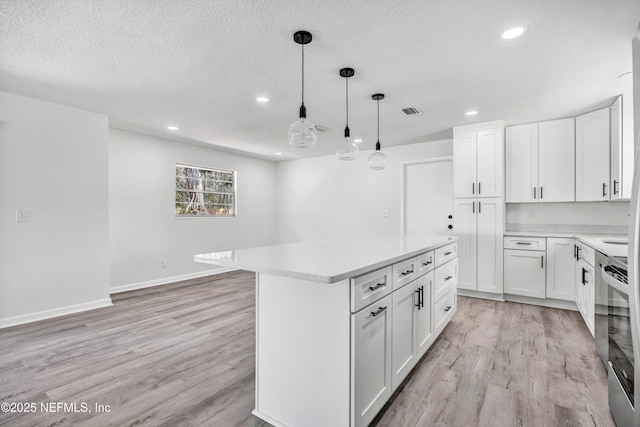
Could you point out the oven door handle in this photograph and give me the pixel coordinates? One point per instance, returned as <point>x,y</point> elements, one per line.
<point>613,282</point>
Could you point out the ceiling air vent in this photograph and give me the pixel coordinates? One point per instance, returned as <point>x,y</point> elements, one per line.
<point>321,128</point>
<point>410,111</point>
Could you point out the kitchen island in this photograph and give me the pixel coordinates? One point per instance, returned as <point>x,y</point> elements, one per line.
<point>341,322</point>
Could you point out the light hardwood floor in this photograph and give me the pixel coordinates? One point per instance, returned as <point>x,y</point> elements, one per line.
<point>183,354</point>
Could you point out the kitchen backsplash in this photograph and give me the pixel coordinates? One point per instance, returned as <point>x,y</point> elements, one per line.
<point>596,217</point>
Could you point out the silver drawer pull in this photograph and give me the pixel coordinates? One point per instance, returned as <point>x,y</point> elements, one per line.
<point>447,253</point>
<point>446,309</point>
<point>424,264</point>
<point>448,278</point>
<point>376,287</point>
<point>524,243</point>
<point>404,273</point>
<point>380,310</point>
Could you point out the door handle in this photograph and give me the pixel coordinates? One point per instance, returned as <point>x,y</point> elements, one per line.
<point>447,309</point>
<point>422,296</point>
<point>446,279</point>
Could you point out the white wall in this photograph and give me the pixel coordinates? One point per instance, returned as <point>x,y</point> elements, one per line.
<point>323,197</point>
<point>143,228</point>
<point>54,165</point>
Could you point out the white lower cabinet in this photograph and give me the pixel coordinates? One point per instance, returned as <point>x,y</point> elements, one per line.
<point>585,284</point>
<point>524,273</point>
<point>560,270</point>
<point>371,359</point>
<point>412,328</point>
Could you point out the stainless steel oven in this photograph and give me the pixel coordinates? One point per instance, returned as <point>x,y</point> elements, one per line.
<point>619,352</point>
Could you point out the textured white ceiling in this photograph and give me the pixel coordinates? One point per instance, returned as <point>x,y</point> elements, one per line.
<point>200,64</point>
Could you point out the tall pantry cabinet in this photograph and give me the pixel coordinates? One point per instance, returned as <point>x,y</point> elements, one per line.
<point>478,206</point>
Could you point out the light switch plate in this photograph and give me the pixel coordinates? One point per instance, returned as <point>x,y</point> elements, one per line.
<point>23,216</point>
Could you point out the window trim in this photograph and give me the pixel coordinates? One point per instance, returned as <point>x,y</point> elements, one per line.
<point>212,169</point>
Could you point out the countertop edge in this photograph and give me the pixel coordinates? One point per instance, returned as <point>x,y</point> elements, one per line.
<point>323,278</point>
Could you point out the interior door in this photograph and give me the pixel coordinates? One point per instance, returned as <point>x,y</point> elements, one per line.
<point>428,196</point>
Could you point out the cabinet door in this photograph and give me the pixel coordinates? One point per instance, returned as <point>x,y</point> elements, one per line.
<point>556,173</point>
<point>577,269</point>
<point>524,273</point>
<point>490,244</point>
<point>615,183</point>
<point>403,348</point>
<point>589,298</point>
<point>521,163</point>
<point>560,268</point>
<point>464,217</point>
<point>371,360</point>
<point>423,319</point>
<point>464,164</point>
<point>489,163</point>
<point>592,156</point>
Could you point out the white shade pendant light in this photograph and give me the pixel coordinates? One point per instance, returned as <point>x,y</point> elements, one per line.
<point>377,160</point>
<point>347,149</point>
<point>302,133</point>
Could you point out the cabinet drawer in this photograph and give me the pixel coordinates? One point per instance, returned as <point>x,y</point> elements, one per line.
<point>525,243</point>
<point>446,277</point>
<point>446,253</point>
<point>444,309</point>
<point>425,262</point>
<point>370,287</point>
<point>587,253</point>
<point>404,272</point>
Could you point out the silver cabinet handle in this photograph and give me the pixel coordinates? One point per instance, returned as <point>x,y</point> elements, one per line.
<point>479,188</point>
<point>448,278</point>
<point>541,189</point>
<point>534,192</point>
<point>615,186</point>
<point>405,273</point>
<point>473,188</point>
<point>424,264</point>
<point>380,310</point>
<point>448,253</point>
<point>447,309</point>
<point>376,287</point>
<point>542,261</point>
<point>604,189</point>
<point>524,243</point>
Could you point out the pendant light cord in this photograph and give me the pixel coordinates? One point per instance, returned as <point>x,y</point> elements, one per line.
<point>347,104</point>
<point>378,120</point>
<point>302,73</point>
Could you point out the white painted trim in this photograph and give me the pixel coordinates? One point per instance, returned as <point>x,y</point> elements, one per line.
<point>56,312</point>
<point>167,280</point>
<point>402,185</point>
<point>479,294</point>
<point>478,126</point>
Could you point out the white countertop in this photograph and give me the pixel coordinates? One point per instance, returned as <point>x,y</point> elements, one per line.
<point>596,241</point>
<point>327,261</point>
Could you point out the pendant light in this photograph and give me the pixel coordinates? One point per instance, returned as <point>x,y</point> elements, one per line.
<point>302,133</point>
<point>347,149</point>
<point>377,160</point>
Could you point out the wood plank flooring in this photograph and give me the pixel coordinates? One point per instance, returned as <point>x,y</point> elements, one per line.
<point>183,355</point>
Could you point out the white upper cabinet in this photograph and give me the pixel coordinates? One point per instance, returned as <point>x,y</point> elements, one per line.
<point>477,163</point>
<point>556,174</point>
<point>521,153</point>
<point>464,164</point>
<point>615,136</point>
<point>592,156</point>
<point>489,162</point>
<point>540,162</point>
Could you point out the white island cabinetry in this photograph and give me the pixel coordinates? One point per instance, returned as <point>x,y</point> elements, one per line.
<point>341,323</point>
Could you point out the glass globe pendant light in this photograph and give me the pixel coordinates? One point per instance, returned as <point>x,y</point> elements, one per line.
<point>347,149</point>
<point>302,133</point>
<point>377,160</point>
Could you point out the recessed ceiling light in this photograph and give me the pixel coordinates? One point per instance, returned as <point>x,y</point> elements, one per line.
<point>262,99</point>
<point>357,140</point>
<point>277,153</point>
<point>471,113</point>
<point>172,127</point>
<point>512,33</point>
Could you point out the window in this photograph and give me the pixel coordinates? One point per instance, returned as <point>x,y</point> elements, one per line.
<point>205,192</point>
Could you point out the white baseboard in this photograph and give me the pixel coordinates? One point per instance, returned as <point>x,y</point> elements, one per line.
<point>167,280</point>
<point>56,312</point>
<point>544,302</point>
